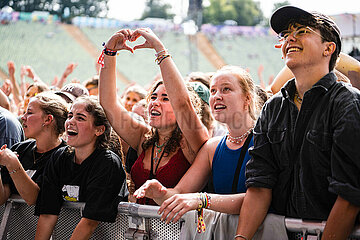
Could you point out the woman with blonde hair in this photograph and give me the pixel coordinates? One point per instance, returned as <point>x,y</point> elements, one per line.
<point>43,124</point>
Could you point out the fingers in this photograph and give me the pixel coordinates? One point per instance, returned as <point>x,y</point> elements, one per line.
<point>142,46</point>
<point>3,147</point>
<point>175,209</point>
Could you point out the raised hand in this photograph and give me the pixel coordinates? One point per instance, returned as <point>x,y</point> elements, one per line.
<point>11,67</point>
<point>151,40</point>
<point>176,206</point>
<point>151,189</point>
<point>118,41</point>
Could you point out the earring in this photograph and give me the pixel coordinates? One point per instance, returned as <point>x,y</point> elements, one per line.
<point>43,124</point>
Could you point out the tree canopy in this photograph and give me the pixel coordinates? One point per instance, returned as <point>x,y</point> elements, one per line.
<point>157,9</point>
<point>244,12</point>
<point>65,9</point>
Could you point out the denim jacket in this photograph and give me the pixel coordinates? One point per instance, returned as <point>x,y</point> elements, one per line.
<point>311,156</point>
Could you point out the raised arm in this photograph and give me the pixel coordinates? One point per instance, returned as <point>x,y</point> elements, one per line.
<point>16,88</point>
<point>68,70</point>
<point>127,127</point>
<point>190,124</point>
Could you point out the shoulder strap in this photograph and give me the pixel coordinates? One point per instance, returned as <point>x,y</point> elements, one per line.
<point>244,149</point>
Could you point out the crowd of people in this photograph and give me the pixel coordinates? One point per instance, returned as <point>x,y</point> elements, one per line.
<point>212,141</point>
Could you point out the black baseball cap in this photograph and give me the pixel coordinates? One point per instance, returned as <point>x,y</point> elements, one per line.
<point>282,17</point>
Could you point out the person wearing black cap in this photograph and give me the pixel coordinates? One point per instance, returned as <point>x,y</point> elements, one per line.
<point>305,160</point>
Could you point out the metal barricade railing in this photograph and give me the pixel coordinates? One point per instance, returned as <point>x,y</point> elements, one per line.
<point>312,227</point>
<point>133,221</point>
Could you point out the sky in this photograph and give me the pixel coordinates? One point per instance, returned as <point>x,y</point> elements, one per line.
<point>132,9</point>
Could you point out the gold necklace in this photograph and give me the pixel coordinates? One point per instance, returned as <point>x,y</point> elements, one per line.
<point>238,140</point>
<point>298,98</point>
<point>36,159</point>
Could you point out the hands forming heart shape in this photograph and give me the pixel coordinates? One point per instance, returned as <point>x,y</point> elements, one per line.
<point>118,40</point>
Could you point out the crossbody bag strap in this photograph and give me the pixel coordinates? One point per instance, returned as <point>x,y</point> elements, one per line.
<point>244,149</point>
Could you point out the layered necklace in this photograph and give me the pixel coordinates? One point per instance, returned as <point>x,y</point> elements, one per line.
<point>298,98</point>
<point>239,139</point>
<point>158,151</point>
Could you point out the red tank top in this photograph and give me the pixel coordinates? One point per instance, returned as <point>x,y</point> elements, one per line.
<point>168,175</point>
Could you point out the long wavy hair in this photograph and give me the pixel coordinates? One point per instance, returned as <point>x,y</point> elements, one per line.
<point>173,142</point>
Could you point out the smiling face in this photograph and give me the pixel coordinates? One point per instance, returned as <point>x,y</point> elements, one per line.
<point>303,49</point>
<point>80,128</point>
<point>33,119</point>
<point>227,100</point>
<point>161,114</point>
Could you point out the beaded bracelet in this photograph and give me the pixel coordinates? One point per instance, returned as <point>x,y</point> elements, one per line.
<point>161,58</point>
<point>158,53</point>
<point>204,203</point>
<point>15,170</point>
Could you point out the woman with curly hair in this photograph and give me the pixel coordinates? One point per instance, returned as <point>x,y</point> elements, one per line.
<point>169,143</point>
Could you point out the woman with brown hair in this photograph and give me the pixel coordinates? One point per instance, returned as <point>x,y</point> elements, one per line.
<point>169,143</point>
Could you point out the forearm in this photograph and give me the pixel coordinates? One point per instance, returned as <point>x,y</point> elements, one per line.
<point>16,90</point>
<point>107,83</point>
<point>189,122</point>
<point>84,229</point>
<point>4,192</point>
<point>45,226</point>
<point>253,211</point>
<point>4,101</point>
<point>230,204</point>
<point>341,220</point>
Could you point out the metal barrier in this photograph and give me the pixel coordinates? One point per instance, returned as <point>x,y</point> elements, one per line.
<point>133,221</point>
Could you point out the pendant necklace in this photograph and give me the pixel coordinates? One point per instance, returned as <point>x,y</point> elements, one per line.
<point>158,151</point>
<point>298,98</point>
<point>238,140</point>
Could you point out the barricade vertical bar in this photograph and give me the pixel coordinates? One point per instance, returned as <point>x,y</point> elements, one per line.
<point>5,220</point>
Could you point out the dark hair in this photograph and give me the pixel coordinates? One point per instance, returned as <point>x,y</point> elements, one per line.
<point>53,104</point>
<point>92,81</point>
<point>94,108</point>
<point>326,30</point>
<point>174,141</point>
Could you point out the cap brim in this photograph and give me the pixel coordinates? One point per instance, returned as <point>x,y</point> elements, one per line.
<point>69,98</point>
<point>281,18</point>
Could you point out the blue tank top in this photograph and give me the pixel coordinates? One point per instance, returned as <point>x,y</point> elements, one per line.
<point>224,166</point>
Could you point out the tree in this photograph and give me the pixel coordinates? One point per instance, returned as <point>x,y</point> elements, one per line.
<point>244,12</point>
<point>280,4</point>
<point>157,9</point>
<point>65,9</point>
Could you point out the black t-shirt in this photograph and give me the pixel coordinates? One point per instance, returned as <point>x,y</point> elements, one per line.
<point>32,162</point>
<point>99,181</point>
